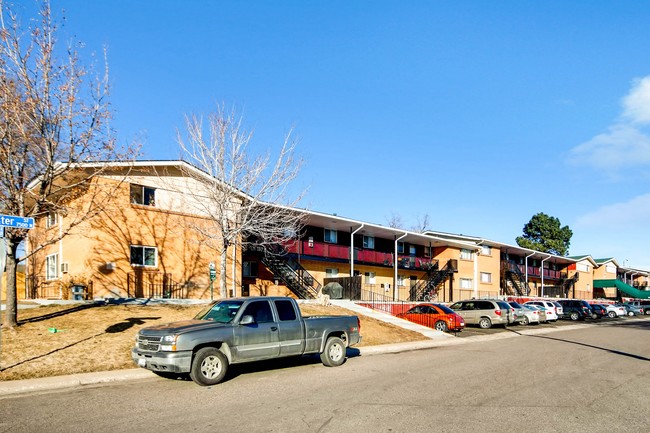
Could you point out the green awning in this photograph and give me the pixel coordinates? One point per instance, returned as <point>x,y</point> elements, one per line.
<point>625,288</point>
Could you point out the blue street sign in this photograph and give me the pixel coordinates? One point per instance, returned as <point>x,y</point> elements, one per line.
<point>16,221</point>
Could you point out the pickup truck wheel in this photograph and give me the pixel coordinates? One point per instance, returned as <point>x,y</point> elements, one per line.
<point>334,353</point>
<point>209,366</point>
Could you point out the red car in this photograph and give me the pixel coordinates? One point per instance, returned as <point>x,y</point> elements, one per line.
<point>434,316</point>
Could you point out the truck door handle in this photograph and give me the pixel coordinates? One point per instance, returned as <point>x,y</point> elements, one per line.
<point>274,328</point>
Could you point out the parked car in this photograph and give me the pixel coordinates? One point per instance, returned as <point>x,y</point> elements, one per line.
<point>541,311</point>
<point>599,311</point>
<point>435,316</point>
<point>615,310</point>
<point>633,310</point>
<point>238,330</point>
<point>558,308</point>
<point>643,305</point>
<point>481,312</point>
<point>551,313</point>
<point>520,313</point>
<point>575,309</point>
<point>531,314</point>
<point>509,311</point>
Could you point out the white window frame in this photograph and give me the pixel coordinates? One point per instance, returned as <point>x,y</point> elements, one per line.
<point>144,255</point>
<point>370,277</point>
<point>486,250</point>
<point>147,199</point>
<point>466,283</point>
<point>466,254</point>
<point>52,267</point>
<point>331,272</point>
<point>51,220</point>
<point>401,280</point>
<point>369,242</point>
<point>332,238</point>
<point>400,247</point>
<point>486,278</point>
<point>582,267</point>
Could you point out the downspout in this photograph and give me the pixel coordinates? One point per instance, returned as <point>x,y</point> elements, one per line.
<point>542,272</point>
<point>395,288</point>
<point>526,264</point>
<point>625,277</point>
<point>234,269</point>
<point>352,249</point>
<point>476,254</point>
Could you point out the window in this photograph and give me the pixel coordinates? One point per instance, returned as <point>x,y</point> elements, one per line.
<point>51,220</point>
<point>400,280</point>
<point>250,269</point>
<point>486,250</point>
<point>400,247</point>
<point>486,277</point>
<point>466,283</point>
<point>369,242</point>
<point>583,267</point>
<point>143,256</point>
<point>370,277</point>
<point>330,236</point>
<point>260,310</point>
<point>428,251</point>
<point>331,273</point>
<point>52,267</point>
<point>411,250</point>
<point>286,312</point>
<point>143,195</point>
<point>610,269</point>
<point>465,254</point>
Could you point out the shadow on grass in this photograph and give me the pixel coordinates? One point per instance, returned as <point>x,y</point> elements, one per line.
<point>127,324</point>
<point>59,313</point>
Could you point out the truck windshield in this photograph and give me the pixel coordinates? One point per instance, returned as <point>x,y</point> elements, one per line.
<point>222,311</point>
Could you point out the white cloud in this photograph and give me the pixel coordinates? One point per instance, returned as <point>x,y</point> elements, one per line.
<point>630,215</point>
<point>621,146</point>
<point>636,105</point>
<point>624,145</point>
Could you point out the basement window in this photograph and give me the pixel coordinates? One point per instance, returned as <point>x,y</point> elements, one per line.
<point>144,256</point>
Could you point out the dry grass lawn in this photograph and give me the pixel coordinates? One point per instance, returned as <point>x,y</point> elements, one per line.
<point>58,340</point>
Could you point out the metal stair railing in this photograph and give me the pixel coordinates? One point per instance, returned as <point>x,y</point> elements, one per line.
<point>297,279</point>
<point>426,290</point>
<point>518,280</point>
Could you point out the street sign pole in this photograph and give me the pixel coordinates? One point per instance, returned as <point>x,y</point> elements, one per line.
<point>213,276</point>
<point>3,262</point>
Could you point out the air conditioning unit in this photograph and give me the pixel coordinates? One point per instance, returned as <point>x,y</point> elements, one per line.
<point>64,267</point>
<point>110,266</point>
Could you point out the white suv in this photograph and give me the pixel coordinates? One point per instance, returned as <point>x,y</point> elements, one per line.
<point>551,311</point>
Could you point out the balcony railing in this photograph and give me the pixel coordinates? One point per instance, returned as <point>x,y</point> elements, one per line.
<point>340,252</point>
<point>533,271</point>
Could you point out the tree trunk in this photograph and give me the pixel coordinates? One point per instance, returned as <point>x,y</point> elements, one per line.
<point>11,311</point>
<point>222,275</point>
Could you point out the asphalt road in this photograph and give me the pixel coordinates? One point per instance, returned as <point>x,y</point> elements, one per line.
<point>593,379</point>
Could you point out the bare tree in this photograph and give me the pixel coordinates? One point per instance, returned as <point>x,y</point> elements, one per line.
<point>395,221</point>
<point>244,198</point>
<point>421,224</point>
<point>55,129</point>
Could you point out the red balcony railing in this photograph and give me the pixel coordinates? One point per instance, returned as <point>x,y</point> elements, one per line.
<point>332,251</point>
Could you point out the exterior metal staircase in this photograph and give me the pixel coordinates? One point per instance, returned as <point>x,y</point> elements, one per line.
<point>568,283</point>
<point>285,268</point>
<point>515,281</point>
<point>427,289</point>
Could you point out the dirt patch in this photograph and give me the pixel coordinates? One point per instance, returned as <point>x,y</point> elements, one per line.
<point>58,340</point>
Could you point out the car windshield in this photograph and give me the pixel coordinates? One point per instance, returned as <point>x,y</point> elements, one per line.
<point>222,311</point>
<point>514,304</point>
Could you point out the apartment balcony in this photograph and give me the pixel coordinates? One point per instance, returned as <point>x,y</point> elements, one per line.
<point>533,271</point>
<point>340,253</point>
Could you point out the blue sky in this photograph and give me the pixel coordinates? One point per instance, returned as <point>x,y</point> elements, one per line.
<point>479,114</point>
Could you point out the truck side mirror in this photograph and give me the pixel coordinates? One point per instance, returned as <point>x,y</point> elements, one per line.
<point>247,320</point>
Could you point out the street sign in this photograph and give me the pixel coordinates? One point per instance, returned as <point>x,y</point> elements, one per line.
<point>16,221</point>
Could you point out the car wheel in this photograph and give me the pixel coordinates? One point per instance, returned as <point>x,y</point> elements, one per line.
<point>209,366</point>
<point>611,314</point>
<point>574,316</point>
<point>525,321</point>
<point>334,353</point>
<point>441,326</point>
<point>630,313</point>
<point>485,323</point>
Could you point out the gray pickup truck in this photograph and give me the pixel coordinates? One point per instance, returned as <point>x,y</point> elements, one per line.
<point>237,330</point>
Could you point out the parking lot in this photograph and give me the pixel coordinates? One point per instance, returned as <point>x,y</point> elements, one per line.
<point>471,330</point>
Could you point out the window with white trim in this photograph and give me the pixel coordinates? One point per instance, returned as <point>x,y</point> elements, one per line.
<point>400,247</point>
<point>610,268</point>
<point>143,195</point>
<point>466,254</point>
<point>583,267</point>
<point>412,250</point>
<point>331,273</point>
<point>51,220</point>
<point>486,277</point>
<point>401,280</point>
<point>466,283</point>
<point>370,277</point>
<point>52,267</point>
<point>144,256</point>
<point>486,250</point>
<point>369,242</point>
<point>330,236</point>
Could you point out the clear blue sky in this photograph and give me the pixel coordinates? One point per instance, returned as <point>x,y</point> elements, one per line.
<point>479,114</point>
